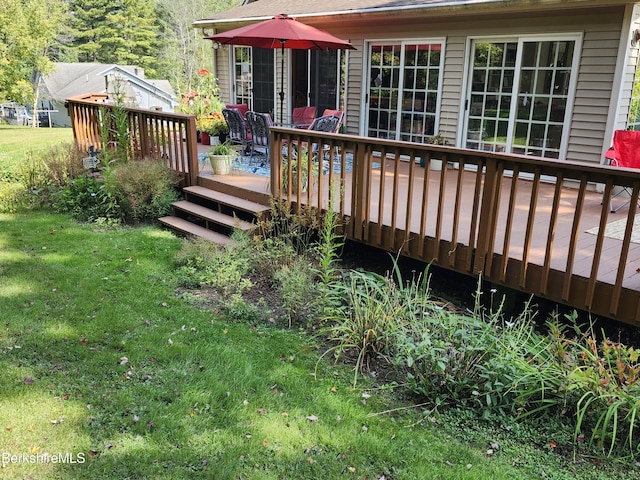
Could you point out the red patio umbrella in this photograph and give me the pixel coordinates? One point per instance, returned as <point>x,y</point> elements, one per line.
<point>281,32</point>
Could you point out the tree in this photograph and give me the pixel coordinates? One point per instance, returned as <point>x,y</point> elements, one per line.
<point>185,53</point>
<point>116,31</point>
<point>89,27</point>
<point>29,30</point>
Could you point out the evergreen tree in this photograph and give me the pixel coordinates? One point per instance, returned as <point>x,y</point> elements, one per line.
<point>116,31</point>
<point>89,27</point>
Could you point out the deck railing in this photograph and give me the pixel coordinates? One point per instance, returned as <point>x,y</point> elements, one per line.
<point>170,137</point>
<point>517,221</point>
<point>533,224</point>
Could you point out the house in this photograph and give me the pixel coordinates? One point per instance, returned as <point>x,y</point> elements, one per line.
<point>550,79</point>
<point>73,79</point>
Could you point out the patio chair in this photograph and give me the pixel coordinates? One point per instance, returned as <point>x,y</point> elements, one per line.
<point>625,153</point>
<point>237,129</point>
<point>259,124</point>
<point>303,116</point>
<point>337,113</point>
<point>326,123</point>
<point>243,108</point>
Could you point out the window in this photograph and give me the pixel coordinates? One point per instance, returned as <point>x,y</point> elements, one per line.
<point>253,78</point>
<point>518,96</point>
<point>404,89</point>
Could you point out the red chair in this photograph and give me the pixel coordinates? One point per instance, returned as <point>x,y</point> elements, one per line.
<point>625,153</point>
<point>303,116</point>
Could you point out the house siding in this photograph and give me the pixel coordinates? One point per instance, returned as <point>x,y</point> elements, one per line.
<point>599,29</point>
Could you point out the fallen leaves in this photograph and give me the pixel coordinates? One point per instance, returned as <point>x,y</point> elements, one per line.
<point>28,381</point>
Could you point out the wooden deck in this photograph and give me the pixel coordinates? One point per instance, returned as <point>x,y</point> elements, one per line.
<point>585,244</point>
<point>536,225</point>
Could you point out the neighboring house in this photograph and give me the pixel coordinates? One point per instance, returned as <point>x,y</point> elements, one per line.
<point>548,79</point>
<point>72,79</point>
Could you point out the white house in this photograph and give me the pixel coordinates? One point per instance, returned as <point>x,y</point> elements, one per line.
<point>73,79</point>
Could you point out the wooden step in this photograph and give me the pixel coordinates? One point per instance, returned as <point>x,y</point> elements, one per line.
<point>256,209</point>
<point>187,227</point>
<point>213,216</point>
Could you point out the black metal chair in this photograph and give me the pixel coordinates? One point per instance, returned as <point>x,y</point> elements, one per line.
<point>259,124</point>
<point>237,129</point>
<point>326,123</point>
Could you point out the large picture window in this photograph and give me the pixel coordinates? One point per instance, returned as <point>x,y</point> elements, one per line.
<point>404,90</point>
<point>518,96</point>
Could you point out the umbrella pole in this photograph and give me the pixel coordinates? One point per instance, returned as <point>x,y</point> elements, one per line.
<point>281,78</point>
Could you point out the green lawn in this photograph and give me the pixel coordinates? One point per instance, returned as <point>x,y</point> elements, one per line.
<point>106,371</point>
<point>16,141</point>
<point>103,364</point>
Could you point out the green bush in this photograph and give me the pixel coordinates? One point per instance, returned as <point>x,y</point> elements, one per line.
<point>40,176</point>
<point>204,264</point>
<point>13,195</point>
<point>296,286</point>
<point>87,198</point>
<point>144,189</point>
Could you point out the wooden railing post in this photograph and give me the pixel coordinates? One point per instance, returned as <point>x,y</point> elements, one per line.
<point>488,208</point>
<point>192,150</point>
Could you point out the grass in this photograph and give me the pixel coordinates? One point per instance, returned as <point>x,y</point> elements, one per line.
<point>16,141</point>
<point>101,361</point>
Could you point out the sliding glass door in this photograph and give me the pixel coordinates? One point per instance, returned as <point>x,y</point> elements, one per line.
<point>404,90</point>
<point>518,96</point>
<point>254,78</point>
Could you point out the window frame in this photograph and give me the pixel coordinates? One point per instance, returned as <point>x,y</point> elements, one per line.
<point>397,109</point>
<point>515,95</point>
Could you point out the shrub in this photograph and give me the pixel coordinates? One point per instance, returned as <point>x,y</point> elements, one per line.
<point>12,196</point>
<point>204,264</point>
<point>604,378</point>
<point>295,284</point>
<point>442,356</point>
<point>87,198</point>
<point>144,189</point>
<point>370,310</point>
<point>34,181</point>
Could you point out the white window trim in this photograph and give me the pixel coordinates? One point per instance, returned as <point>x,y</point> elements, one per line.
<point>577,37</point>
<point>366,69</point>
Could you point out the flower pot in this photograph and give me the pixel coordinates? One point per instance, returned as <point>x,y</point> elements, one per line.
<point>221,164</point>
<point>214,140</point>
<point>204,138</point>
<point>435,164</point>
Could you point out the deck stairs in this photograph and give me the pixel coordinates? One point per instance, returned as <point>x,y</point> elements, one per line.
<point>211,214</point>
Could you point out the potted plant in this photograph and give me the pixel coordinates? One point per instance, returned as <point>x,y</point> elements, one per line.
<point>203,125</point>
<point>217,129</point>
<point>221,156</point>
<point>434,164</point>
